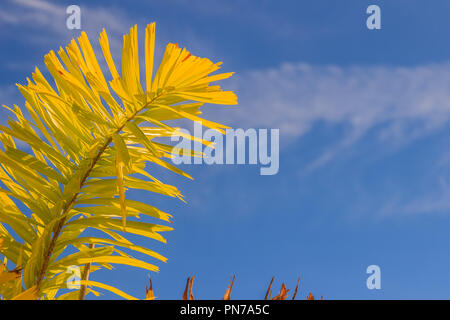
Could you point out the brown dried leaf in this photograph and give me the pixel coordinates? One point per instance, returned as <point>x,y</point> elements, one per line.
<point>296,289</point>
<point>188,289</point>
<point>149,295</point>
<point>191,296</point>
<point>185,294</point>
<point>269,290</point>
<point>283,293</point>
<point>228,292</point>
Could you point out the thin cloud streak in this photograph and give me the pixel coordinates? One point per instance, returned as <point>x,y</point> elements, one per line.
<point>399,103</point>
<point>50,19</point>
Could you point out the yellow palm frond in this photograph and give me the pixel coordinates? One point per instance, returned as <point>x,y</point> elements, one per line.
<point>88,139</point>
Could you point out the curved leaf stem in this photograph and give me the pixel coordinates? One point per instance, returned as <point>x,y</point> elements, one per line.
<point>70,204</point>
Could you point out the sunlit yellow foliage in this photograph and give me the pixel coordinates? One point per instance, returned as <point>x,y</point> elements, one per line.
<point>76,149</point>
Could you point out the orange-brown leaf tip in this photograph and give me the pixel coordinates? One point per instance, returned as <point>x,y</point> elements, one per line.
<point>227,295</point>
<point>191,296</point>
<point>283,293</point>
<point>149,291</point>
<point>185,294</point>
<point>185,58</point>
<point>269,289</point>
<point>296,289</point>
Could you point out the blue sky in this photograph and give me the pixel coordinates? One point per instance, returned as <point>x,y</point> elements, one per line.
<point>363,118</point>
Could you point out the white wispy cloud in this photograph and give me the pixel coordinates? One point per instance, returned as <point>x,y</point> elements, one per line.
<point>401,103</point>
<point>44,13</point>
<point>433,201</point>
<point>42,21</point>
<point>396,105</point>
<point>295,96</point>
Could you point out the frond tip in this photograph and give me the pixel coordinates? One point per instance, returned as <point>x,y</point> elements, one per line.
<point>84,144</point>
